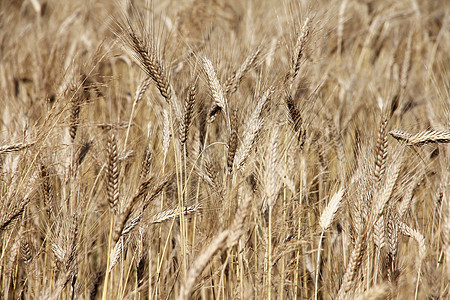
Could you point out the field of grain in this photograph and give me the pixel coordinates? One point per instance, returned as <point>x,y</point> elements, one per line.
<point>216,149</point>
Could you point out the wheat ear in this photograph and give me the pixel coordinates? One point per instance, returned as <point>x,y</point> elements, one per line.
<point>352,266</point>
<point>15,147</point>
<point>12,214</point>
<point>75,108</point>
<point>150,62</point>
<point>232,83</point>
<point>299,50</point>
<point>167,215</point>
<point>420,239</point>
<point>112,172</point>
<point>232,141</point>
<point>124,216</point>
<point>146,163</point>
<point>381,149</point>
<point>220,102</point>
<point>251,132</point>
<point>223,240</point>
<point>325,221</point>
<point>429,136</point>
<point>47,190</point>
<point>294,115</point>
<point>423,137</point>
<point>188,110</point>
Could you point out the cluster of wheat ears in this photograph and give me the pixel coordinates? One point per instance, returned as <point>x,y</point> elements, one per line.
<point>216,149</point>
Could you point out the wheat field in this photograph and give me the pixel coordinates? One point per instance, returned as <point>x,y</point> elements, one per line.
<point>216,149</point>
